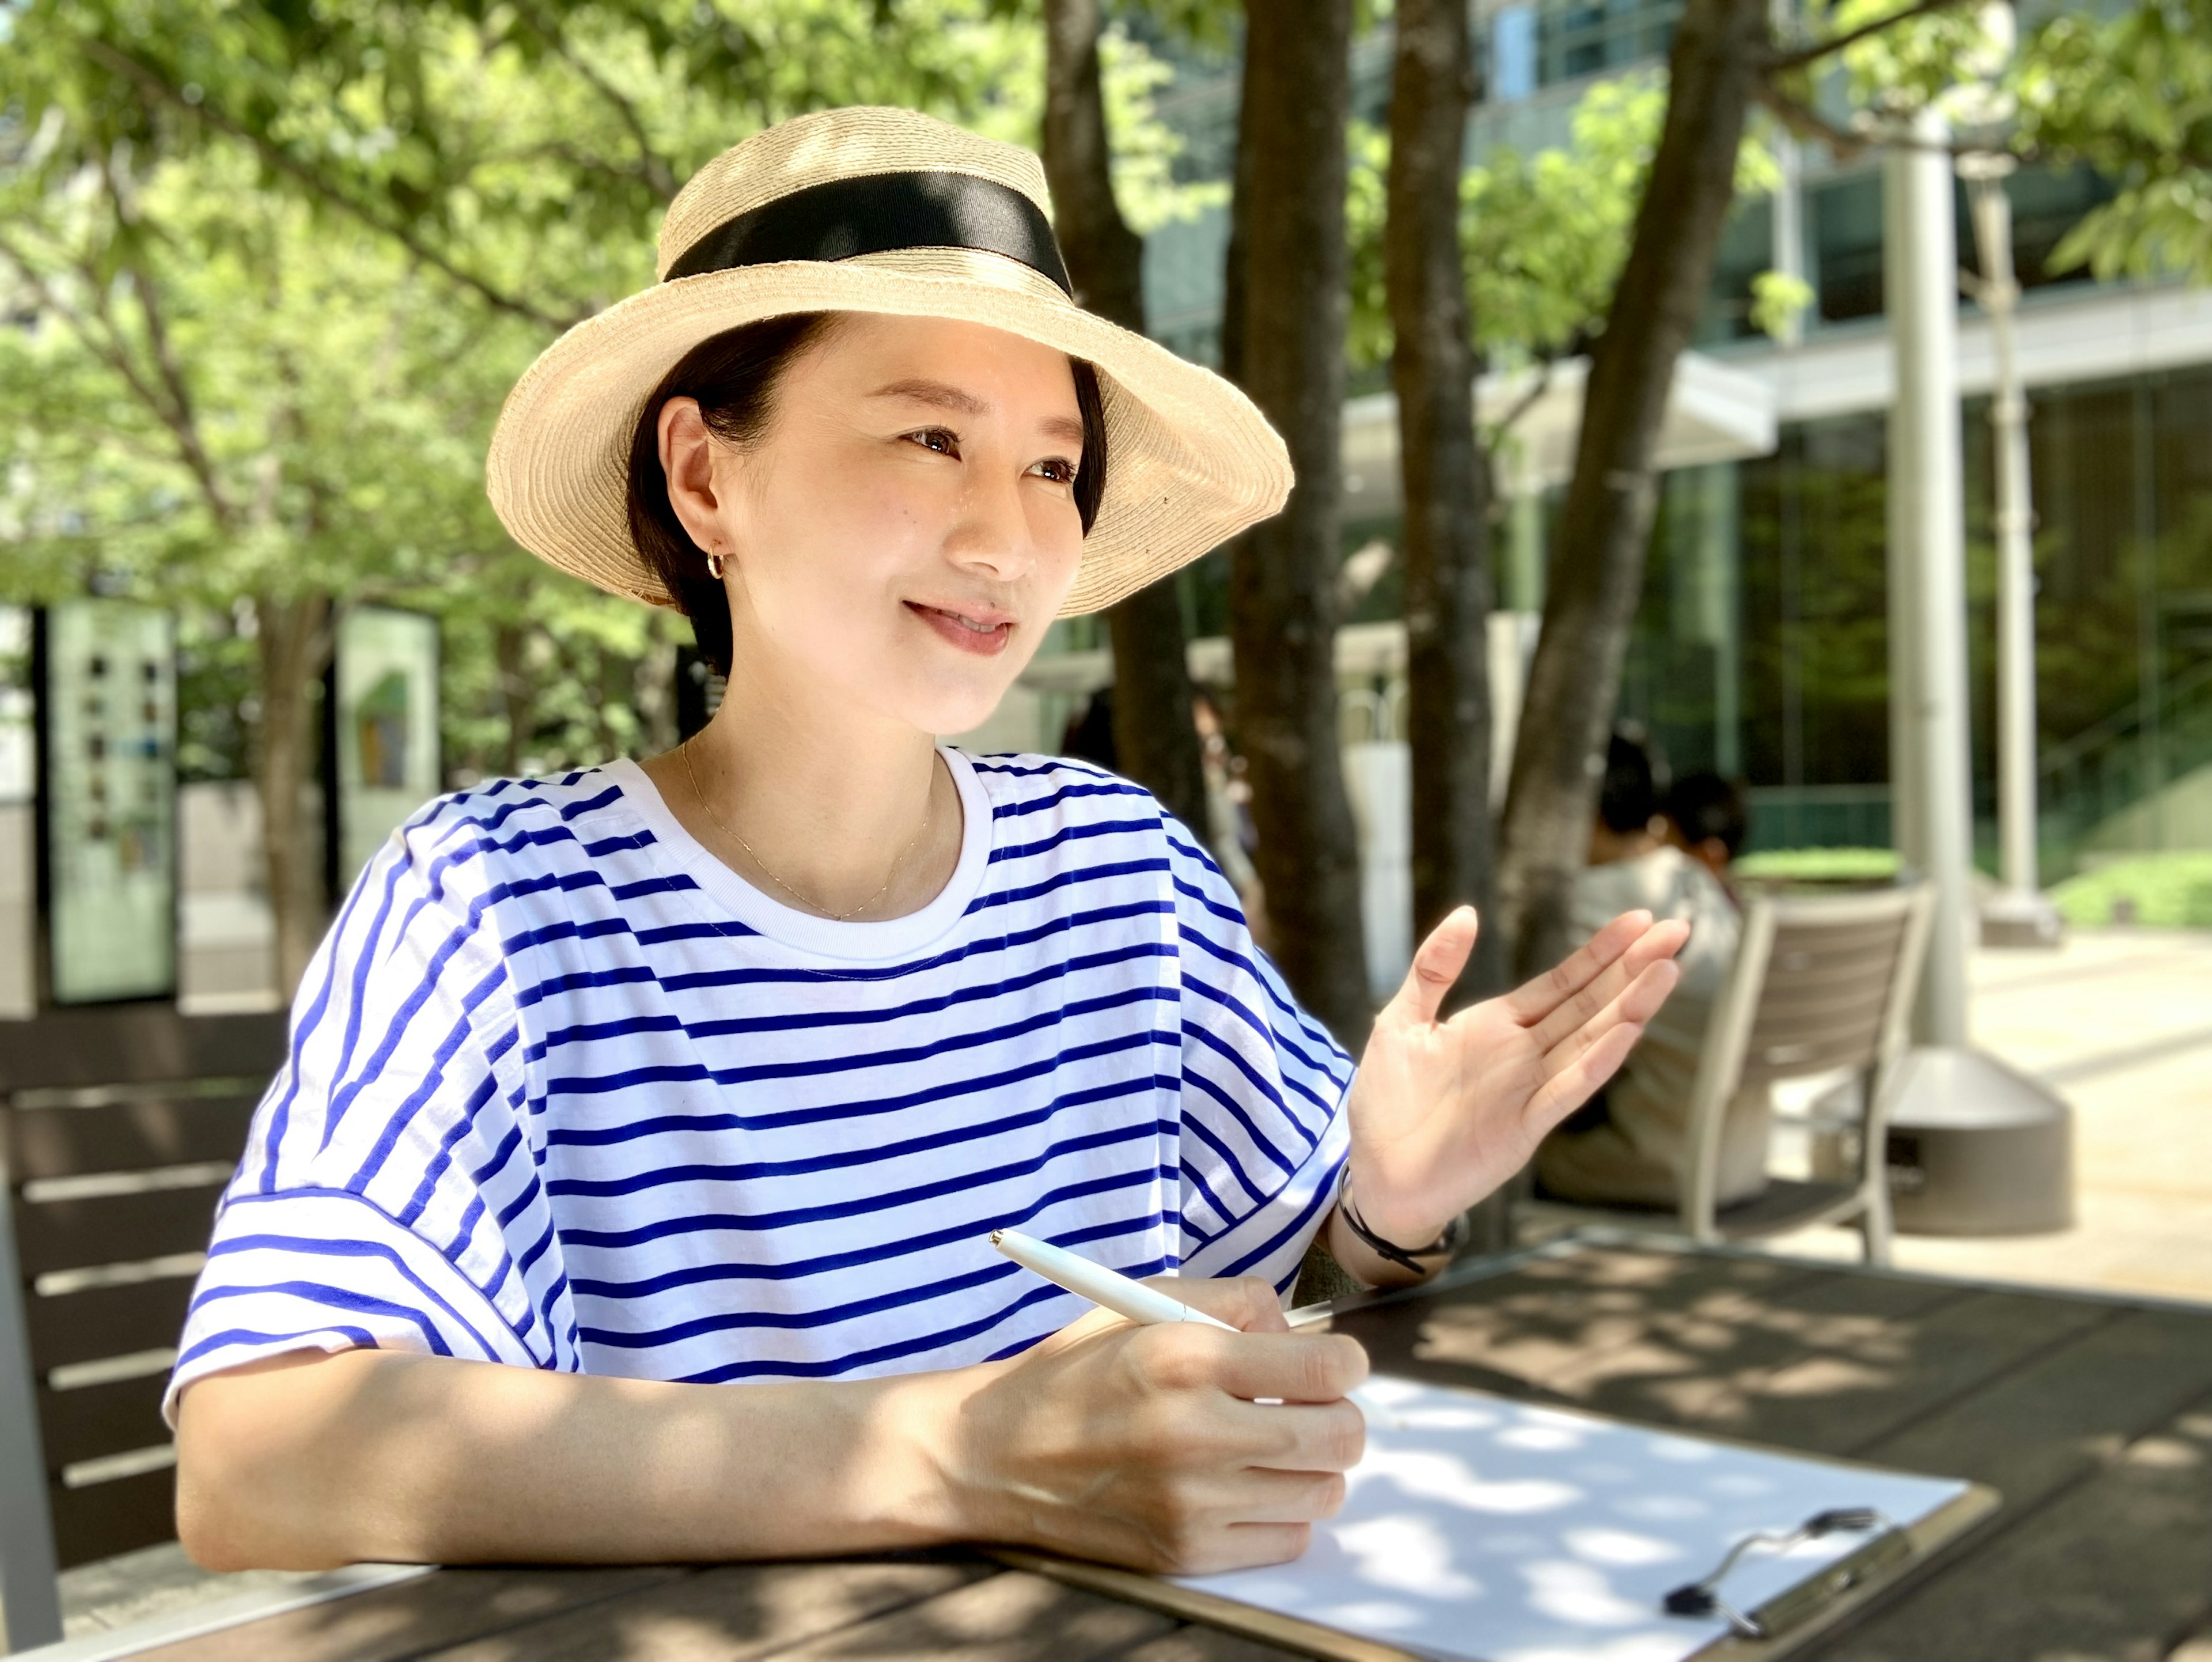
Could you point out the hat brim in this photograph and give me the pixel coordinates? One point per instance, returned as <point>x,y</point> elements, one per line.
<point>1190,460</point>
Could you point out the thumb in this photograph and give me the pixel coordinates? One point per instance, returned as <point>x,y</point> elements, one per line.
<point>1436,966</point>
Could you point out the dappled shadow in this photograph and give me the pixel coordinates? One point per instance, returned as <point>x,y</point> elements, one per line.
<point>1765,1349</point>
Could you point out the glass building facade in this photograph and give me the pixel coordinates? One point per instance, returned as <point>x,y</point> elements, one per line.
<point>1761,646</point>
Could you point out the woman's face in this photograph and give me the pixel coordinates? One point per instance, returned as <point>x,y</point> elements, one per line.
<point>906,527</point>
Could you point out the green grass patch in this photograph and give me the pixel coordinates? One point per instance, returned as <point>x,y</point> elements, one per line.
<point>1820,865</point>
<point>2163,891</point>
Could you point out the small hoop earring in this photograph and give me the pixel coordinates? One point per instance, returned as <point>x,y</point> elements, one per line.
<point>714,566</point>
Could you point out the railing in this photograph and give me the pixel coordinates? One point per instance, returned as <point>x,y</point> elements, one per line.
<point>1818,817</point>
<point>2104,770</point>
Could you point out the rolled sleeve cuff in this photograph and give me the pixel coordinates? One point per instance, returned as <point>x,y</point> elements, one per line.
<point>1271,1240</point>
<point>326,1270</point>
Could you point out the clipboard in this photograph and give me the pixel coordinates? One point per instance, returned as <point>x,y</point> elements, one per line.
<point>1803,1605</point>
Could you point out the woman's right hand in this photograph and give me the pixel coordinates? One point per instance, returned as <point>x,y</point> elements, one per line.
<point>1145,1446</point>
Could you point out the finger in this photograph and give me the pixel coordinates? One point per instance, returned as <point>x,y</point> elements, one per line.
<point>1638,1002</point>
<point>1245,1302</point>
<point>1288,1368</point>
<point>1656,944</point>
<point>1601,992</point>
<point>1436,966</point>
<point>1533,1001</point>
<point>1298,1436</point>
<point>1241,1546</point>
<point>1579,1081</point>
<point>1259,1496</point>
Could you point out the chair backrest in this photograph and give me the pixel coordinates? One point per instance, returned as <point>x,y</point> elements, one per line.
<point>1819,983</point>
<point>119,1128</point>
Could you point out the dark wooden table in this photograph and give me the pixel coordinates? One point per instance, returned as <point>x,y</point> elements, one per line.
<point>2093,1416</point>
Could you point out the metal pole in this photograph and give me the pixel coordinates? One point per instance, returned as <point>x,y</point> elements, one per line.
<point>2021,915</point>
<point>1931,782</point>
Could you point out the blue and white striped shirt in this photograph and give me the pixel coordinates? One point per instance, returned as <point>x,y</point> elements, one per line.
<point>564,1091</point>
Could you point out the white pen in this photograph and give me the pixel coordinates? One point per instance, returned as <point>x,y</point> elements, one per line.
<point>1147,1306</point>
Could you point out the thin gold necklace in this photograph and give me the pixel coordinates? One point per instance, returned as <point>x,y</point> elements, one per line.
<point>691,773</point>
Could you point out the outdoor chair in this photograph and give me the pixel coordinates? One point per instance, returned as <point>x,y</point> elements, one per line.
<point>1821,983</point>
<point>118,1128</point>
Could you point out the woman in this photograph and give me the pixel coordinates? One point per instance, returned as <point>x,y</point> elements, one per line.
<point>626,1193</point>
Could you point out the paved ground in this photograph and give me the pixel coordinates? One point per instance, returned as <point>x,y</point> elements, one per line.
<point>2120,1021</point>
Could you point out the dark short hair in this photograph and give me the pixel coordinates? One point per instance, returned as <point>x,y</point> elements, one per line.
<point>1630,796</point>
<point>734,375</point>
<point>1705,805</point>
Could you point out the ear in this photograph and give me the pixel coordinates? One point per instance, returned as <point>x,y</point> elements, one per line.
<point>687,457</point>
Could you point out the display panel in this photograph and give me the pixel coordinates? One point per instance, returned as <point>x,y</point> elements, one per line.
<point>110,801</point>
<point>386,729</point>
<point>19,776</point>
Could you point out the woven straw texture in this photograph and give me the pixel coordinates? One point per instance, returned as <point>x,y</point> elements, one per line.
<point>1190,461</point>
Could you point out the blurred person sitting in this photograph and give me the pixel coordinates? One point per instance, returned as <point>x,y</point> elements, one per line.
<point>1627,1146</point>
<point>1706,818</point>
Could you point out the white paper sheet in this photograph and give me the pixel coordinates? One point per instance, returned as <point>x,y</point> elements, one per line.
<point>1481,1528</point>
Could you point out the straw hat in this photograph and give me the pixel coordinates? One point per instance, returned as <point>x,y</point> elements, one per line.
<point>875,210</point>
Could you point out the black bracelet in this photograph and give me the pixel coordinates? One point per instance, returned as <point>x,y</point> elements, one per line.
<point>1404,1258</point>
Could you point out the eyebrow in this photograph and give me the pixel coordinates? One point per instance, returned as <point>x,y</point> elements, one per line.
<point>945,396</point>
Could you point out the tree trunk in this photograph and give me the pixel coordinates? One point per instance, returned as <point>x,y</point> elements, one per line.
<point>294,636</point>
<point>1234,259</point>
<point>1283,574</point>
<point>1155,738</point>
<point>1604,526</point>
<point>1447,535</point>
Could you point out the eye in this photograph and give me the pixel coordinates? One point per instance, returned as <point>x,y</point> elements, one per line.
<point>1058,469</point>
<point>943,440</point>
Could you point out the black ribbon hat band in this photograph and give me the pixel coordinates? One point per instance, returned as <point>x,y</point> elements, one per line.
<point>879,213</point>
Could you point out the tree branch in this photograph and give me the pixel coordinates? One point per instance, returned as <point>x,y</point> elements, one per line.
<point>1846,143</point>
<point>153,81</point>
<point>652,168</point>
<point>178,412</point>
<point>106,343</point>
<point>1521,407</point>
<point>180,417</point>
<point>1806,123</point>
<point>1785,62</point>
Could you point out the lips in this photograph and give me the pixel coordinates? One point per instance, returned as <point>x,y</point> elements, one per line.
<point>984,632</point>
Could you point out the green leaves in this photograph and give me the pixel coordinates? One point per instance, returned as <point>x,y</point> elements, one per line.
<point>2130,96</point>
<point>280,264</point>
<point>1544,236</point>
<point>2127,93</point>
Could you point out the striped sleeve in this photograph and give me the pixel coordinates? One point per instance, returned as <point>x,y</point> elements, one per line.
<point>389,1196</point>
<point>1264,1134</point>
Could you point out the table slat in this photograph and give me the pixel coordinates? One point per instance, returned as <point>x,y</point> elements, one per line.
<point>2113,1568</point>
<point>409,1617</point>
<point>722,1614</point>
<point>1013,1616</point>
<point>2054,1422</point>
<point>1523,1330</point>
<point>1716,1366</point>
<point>1206,1645</point>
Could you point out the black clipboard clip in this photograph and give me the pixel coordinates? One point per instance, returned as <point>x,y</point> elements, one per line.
<point>1702,1597</point>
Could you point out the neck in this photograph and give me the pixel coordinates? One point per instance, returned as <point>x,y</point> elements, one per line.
<point>1607,845</point>
<point>823,808</point>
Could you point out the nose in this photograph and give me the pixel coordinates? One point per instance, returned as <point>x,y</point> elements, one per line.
<point>991,535</point>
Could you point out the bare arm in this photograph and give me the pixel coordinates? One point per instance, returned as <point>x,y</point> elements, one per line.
<point>1139,1446</point>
